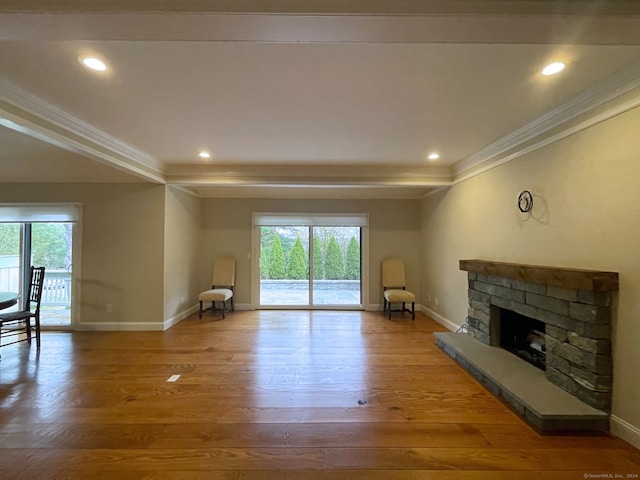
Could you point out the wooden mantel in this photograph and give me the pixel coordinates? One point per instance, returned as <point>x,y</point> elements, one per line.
<point>592,280</point>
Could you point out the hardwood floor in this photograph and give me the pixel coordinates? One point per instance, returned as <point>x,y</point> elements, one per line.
<point>271,395</point>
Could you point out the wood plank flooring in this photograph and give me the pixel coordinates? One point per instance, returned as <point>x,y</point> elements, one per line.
<point>271,395</point>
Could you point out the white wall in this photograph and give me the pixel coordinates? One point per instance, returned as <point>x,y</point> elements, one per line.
<point>181,254</point>
<point>393,230</point>
<point>586,215</point>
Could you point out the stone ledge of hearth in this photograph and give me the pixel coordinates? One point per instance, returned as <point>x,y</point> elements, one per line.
<point>522,386</point>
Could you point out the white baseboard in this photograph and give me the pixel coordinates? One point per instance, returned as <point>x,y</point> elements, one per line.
<point>170,322</point>
<point>376,307</point>
<point>438,318</point>
<point>625,431</point>
<point>147,326</point>
<point>120,326</point>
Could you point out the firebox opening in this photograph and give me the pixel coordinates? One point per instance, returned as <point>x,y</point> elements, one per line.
<point>524,337</point>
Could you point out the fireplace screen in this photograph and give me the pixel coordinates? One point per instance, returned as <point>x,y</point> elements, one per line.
<point>524,337</point>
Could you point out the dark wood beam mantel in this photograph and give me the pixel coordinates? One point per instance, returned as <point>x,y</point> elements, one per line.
<point>593,280</point>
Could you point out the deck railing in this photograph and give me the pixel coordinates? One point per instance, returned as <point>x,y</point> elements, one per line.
<point>10,279</point>
<point>57,288</point>
<point>57,285</point>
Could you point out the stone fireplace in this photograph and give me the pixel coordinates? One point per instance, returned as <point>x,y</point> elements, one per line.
<point>559,317</point>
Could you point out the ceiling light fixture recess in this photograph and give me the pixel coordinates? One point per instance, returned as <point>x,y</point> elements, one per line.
<point>553,68</point>
<point>93,63</point>
<point>433,156</point>
<point>204,154</point>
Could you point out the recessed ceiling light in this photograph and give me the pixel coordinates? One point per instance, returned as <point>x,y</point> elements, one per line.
<point>204,154</point>
<point>553,68</point>
<point>433,156</point>
<point>93,63</point>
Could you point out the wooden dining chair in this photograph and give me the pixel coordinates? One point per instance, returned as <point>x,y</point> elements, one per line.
<point>13,324</point>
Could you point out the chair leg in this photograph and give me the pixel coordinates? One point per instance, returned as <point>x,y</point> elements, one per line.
<point>37,322</point>
<point>200,311</point>
<point>413,310</point>
<point>27,329</point>
<point>224,307</point>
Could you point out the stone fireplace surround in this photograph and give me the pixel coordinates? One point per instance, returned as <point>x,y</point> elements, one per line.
<point>576,308</point>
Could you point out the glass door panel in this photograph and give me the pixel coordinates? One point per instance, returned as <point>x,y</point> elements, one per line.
<point>284,266</point>
<point>51,247</point>
<point>10,264</point>
<point>336,266</point>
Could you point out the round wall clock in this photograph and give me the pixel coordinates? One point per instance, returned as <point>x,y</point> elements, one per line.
<point>525,201</point>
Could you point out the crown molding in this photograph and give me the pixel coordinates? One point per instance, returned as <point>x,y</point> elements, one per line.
<point>380,7</point>
<point>330,7</point>
<point>301,176</point>
<point>28,114</point>
<point>293,192</point>
<point>294,27</point>
<point>187,190</point>
<point>302,181</point>
<point>434,191</point>
<point>603,116</point>
<point>519,142</point>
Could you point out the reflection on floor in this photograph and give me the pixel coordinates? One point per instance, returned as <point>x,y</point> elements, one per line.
<point>271,395</point>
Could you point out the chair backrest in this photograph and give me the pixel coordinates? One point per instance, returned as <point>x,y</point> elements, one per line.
<point>36,285</point>
<point>224,272</point>
<point>393,272</point>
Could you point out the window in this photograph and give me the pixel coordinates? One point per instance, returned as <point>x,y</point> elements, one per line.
<point>41,235</point>
<point>310,261</point>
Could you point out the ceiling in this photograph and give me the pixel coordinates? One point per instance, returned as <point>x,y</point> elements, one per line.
<point>303,99</point>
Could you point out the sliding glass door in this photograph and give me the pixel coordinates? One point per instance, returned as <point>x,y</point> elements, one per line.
<point>306,265</point>
<point>41,244</point>
<point>41,235</point>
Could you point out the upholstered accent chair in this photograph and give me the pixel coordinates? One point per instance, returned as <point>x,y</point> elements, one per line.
<point>222,283</point>
<point>395,287</point>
